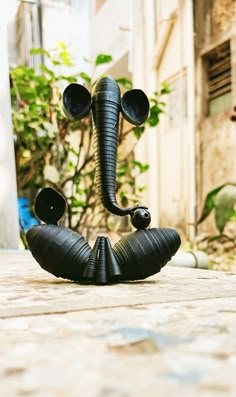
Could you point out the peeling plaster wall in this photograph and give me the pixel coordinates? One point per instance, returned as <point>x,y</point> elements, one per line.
<point>215,22</point>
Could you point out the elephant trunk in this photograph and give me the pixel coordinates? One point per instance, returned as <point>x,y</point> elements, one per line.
<point>106,110</point>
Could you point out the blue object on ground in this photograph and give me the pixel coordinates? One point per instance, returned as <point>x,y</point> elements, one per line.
<point>26,219</point>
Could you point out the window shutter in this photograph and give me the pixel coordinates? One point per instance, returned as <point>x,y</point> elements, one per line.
<point>219,71</point>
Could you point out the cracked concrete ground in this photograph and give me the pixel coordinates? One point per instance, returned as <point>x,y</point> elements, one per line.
<point>170,335</point>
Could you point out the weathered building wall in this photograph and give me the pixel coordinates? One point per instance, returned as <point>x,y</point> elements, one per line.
<point>172,160</point>
<point>215,23</point>
<point>175,157</point>
<point>153,58</point>
<point>145,77</point>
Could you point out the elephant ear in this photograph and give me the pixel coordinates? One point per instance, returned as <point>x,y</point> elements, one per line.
<point>76,101</point>
<point>135,106</point>
<point>49,206</point>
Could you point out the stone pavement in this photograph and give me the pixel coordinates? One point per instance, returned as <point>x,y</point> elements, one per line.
<point>172,335</point>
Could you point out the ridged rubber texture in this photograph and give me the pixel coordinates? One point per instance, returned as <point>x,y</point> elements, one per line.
<point>65,253</point>
<point>106,110</point>
<point>144,252</point>
<point>59,250</point>
<point>102,267</point>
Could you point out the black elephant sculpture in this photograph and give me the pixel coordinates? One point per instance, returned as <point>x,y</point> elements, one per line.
<point>65,253</point>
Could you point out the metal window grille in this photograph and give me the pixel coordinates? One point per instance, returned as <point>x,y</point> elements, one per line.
<point>219,71</point>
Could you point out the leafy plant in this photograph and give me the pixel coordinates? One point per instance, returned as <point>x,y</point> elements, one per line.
<point>223,201</point>
<point>52,150</point>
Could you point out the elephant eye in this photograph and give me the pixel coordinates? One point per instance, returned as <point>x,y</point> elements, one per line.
<point>76,101</point>
<point>135,106</point>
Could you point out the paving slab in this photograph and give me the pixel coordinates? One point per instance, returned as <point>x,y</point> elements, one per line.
<point>173,334</point>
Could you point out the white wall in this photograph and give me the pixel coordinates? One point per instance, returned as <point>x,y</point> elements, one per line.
<point>162,52</point>
<point>176,132</point>
<point>9,226</point>
<point>144,77</point>
<point>111,35</point>
<point>67,21</point>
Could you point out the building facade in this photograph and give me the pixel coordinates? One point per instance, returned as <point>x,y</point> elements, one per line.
<point>157,46</point>
<point>215,92</point>
<point>190,45</point>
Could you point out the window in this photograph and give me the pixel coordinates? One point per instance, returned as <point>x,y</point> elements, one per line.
<point>218,74</point>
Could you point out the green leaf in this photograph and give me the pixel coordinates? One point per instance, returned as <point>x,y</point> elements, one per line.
<point>61,45</point>
<point>39,51</point>
<point>225,201</point>
<point>70,79</point>
<point>209,203</point>
<point>85,77</point>
<point>22,72</point>
<point>153,119</point>
<point>65,57</point>
<point>142,167</point>
<point>233,216</point>
<point>138,131</point>
<point>221,236</point>
<point>122,170</point>
<point>70,166</point>
<point>55,62</point>
<point>103,58</point>
<point>125,82</point>
<point>214,238</point>
<point>123,198</point>
<point>75,152</point>
<point>90,174</point>
<point>81,191</point>
<point>165,89</point>
<point>45,70</point>
<point>153,100</point>
<point>77,203</point>
<point>142,189</point>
